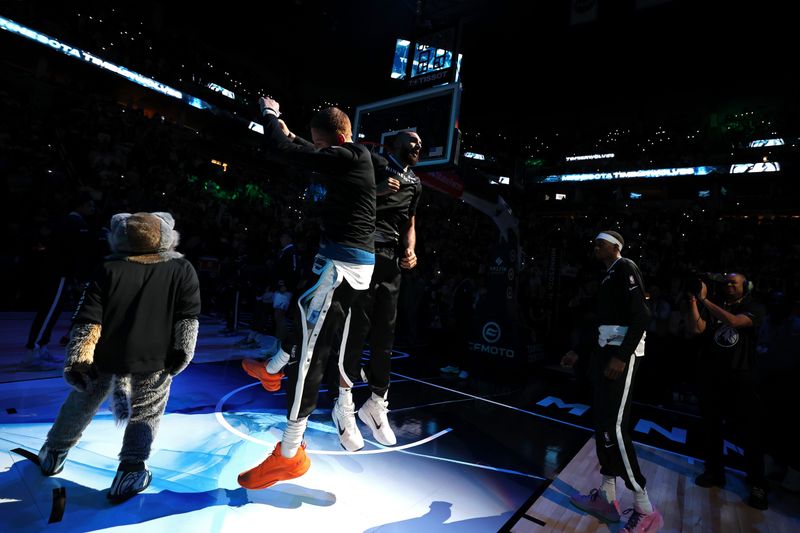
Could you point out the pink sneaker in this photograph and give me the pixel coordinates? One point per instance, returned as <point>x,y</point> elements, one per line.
<point>643,523</point>
<point>596,505</point>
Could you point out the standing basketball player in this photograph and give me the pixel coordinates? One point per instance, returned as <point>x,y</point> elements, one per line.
<point>343,266</point>
<point>622,315</point>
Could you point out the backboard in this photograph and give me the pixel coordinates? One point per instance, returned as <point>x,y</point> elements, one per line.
<point>432,113</point>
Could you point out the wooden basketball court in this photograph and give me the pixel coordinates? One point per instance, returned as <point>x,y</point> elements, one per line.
<point>670,483</point>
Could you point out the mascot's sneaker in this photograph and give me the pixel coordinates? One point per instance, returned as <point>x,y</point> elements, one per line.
<point>276,468</point>
<point>344,418</point>
<point>131,479</point>
<point>374,414</point>
<point>52,461</point>
<point>258,370</point>
<point>596,505</point>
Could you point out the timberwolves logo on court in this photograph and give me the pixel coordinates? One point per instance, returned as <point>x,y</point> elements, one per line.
<point>726,336</point>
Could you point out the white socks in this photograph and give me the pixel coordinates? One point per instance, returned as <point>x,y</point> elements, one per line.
<point>609,488</point>
<point>293,437</point>
<point>641,502</point>
<point>345,396</point>
<point>277,362</point>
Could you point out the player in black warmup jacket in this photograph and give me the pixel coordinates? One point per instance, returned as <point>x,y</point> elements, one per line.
<point>622,317</point>
<point>343,266</point>
<point>375,310</point>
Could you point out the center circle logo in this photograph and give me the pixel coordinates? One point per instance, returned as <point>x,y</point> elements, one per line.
<point>491,332</point>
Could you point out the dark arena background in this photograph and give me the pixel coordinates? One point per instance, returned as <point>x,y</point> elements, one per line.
<point>672,123</point>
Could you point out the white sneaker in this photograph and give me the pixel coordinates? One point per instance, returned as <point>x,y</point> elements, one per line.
<point>373,413</point>
<point>344,418</point>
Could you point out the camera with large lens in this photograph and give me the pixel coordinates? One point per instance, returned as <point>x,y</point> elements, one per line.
<point>693,282</point>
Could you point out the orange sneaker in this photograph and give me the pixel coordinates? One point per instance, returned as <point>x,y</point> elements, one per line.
<point>276,468</point>
<point>258,370</point>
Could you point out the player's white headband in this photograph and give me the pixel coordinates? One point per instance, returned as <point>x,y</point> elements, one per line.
<point>609,238</point>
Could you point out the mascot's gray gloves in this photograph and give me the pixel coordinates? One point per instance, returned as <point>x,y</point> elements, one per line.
<point>185,339</point>
<point>79,369</point>
<point>82,379</point>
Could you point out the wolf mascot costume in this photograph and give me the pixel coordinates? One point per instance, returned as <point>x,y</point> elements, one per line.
<point>134,330</point>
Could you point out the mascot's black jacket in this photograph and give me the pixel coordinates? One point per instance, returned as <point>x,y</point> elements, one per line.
<point>124,309</point>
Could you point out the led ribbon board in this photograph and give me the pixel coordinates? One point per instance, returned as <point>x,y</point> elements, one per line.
<point>588,157</point>
<point>632,174</point>
<point>77,53</point>
<point>130,75</point>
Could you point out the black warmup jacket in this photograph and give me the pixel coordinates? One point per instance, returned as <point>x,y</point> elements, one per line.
<point>137,305</point>
<point>347,212</point>
<point>621,302</point>
<point>396,209</point>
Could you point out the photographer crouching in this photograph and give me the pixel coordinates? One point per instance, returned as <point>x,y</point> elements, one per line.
<point>727,379</point>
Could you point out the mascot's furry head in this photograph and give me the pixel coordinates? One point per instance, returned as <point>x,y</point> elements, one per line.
<point>144,237</point>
